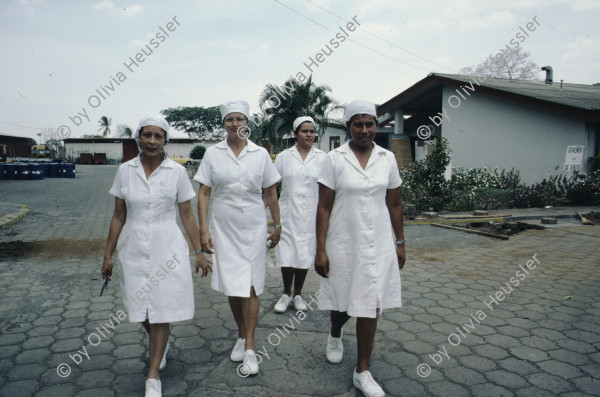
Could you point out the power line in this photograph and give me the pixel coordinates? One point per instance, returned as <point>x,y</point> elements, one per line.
<point>354,41</point>
<point>381,38</point>
<point>23,126</point>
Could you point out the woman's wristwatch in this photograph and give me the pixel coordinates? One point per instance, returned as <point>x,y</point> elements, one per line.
<point>400,242</point>
<point>198,252</point>
<point>277,226</point>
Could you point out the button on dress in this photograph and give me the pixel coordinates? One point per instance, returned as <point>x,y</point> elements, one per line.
<point>238,223</point>
<point>156,276</point>
<point>363,266</point>
<point>298,206</point>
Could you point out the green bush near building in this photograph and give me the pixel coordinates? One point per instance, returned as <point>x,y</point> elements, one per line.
<point>425,186</point>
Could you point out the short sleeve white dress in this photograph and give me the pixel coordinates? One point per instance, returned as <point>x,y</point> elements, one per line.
<point>156,279</point>
<point>363,267</point>
<point>298,206</point>
<point>238,223</point>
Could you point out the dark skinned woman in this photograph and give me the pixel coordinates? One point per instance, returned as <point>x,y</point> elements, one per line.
<point>360,238</point>
<point>299,169</point>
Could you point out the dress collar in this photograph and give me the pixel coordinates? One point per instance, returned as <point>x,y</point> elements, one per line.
<point>137,162</point>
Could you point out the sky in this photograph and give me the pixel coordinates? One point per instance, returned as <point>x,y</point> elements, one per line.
<point>65,63</point>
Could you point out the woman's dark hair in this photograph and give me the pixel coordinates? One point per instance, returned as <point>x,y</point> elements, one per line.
<point>164,153</point>
<point>300,125</point>
<point>349,122</point>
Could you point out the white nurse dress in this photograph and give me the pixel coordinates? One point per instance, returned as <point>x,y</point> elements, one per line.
<point>363,266</point>
<point>238,223</point>
<point>156,277</point>
<point>298,206</point>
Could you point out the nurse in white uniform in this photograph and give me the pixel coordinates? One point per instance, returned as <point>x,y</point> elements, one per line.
<point>236,171</point>
<point>360,238</point>
<point>299,169</point>
<point>156,279</point>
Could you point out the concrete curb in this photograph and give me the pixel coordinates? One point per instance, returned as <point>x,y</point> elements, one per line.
<point>14,216</point>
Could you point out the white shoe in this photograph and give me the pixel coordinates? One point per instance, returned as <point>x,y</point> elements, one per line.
<point>250,366</point>
<point>163,360</point>
<point>282,304</point>
<point>365,383</point>
<point>335,349</point>
<point>237,354</point>
<point>153,388</point>
<point>299,303</point>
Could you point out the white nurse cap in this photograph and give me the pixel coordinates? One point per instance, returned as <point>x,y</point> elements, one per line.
<point>237,105</point>
<point>301,120</point>
<point>155,121</point>
<point>360,107</point>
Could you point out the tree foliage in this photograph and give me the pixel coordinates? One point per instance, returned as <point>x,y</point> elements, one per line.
<point>282,105</point>
<point>31,142</point>
<point>123,131</point>
<point>425,181</point>
<point>197,122</point>
<point>104,124</point>
<point>512,65</point>
<point>197,152</point>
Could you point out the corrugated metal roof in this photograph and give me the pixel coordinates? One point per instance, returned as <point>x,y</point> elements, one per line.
<point>580,96</point>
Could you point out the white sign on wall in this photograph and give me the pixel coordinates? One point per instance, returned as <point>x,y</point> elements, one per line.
<point>573,158</point>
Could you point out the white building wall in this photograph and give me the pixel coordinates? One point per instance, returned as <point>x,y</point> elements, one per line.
<point>324,140</point>
<point>489,131</point>
<point>184,149</point>
<point>113,150</point>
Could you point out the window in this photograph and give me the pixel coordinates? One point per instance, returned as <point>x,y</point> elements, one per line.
<point>334,142</point>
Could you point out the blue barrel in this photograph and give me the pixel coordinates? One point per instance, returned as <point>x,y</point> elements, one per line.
<point>2,171</point>
<point>52,170</point>
<point>10,171</point>
<point>36,171</point>
<point>61,170</point>
<point>22,171</point>
<point>69,170</point>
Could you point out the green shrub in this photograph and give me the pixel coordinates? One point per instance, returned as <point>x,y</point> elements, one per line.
<point>463,179</point>
<point>424,185</point>
<point>584,189</point>
<point>198,152</point>
<point>480,199</point>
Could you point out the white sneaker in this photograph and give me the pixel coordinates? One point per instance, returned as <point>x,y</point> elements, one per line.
<point>282,304</point>
<point>365,383</point>
<point>335,349</point>
<point>163,360</point>
<point>299,303</point>
<point>250,366</point>
<point>237,354</point>
<point>153,388</point>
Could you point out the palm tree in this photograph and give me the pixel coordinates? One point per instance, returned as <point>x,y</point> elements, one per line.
<point>305,99</point>
<point>104,124</point>
<point>124,131</point>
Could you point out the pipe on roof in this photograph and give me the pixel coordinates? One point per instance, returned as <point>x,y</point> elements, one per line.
<point>549,74</point>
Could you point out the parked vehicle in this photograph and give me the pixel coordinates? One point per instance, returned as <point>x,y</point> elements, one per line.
<point>43,151</point>
<point>178,158</point>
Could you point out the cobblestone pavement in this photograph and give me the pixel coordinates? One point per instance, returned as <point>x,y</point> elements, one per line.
<point>466,328</point>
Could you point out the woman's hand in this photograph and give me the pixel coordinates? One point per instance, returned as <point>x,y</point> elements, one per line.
<point>274,237</point>
<point>207,242</point>
<point>401,254</point>
<point>322,263</point>
<point>205,264</point>
<point>107,268</point>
